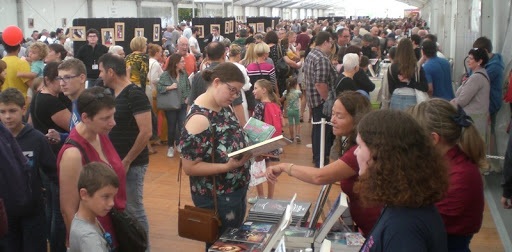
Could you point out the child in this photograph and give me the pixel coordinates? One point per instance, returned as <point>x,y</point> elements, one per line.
<point>97,186</point>
<point>292,95</point>
<point>3,73</point>
<point>36,54</point>
<point>27,228</point>
<point>269,111</point>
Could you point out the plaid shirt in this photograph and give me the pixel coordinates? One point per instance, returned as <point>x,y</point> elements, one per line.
<point>317,69</point>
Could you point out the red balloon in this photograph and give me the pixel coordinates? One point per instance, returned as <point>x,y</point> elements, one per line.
<point>12,35</point>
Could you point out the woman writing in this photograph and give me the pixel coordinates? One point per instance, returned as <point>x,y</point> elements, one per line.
<point>175,77</point>
<point>96,107</point>
<point>455,137</point>
<point>348,109</point>
<point>211,131</point>
<point>400,169</point>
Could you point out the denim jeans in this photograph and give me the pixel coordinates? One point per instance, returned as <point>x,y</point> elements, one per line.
<point>175,121</point>
<point>55,227</point>
<point>459,243</point>
<point>315,135</point>
<point>401,102</point>
<point>231,208</point>
<point>25,233</point>
<point>134,194</point>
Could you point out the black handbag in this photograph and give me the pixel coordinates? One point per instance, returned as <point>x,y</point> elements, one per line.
<point>282,68</point>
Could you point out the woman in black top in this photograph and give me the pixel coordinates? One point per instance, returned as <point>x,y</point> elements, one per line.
<point>361,79</point>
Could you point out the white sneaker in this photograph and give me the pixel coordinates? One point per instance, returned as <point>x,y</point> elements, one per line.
<point>170,152</point>
<point>178,148</point>
<point>253,200</point>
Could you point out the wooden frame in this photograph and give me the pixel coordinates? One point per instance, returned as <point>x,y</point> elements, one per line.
<point>119,31</point>
<point>138,32</point>
<point>78,33</point>
<point>260,27</point>
<point>107,37</point>
<point>214,25</point>
<point>156,32</point>
<point>273,24</point>
<point>232,26</point>
<point>201,31</point>
<point>253,25</point>
<point>226,27</point>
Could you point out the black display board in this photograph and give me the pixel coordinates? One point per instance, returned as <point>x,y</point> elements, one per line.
<point>151,26</point>
<point>267,21</point>
<point>206,23</point>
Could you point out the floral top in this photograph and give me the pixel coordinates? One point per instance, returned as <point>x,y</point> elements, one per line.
<point>293,99</point>
<point>139,64</point>
<point>228,137</point>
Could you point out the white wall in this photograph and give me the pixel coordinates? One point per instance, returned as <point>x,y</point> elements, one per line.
<point>111,8</point>
<point>8,14</point>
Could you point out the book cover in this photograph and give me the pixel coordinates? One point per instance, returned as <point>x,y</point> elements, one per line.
<point>244,235</point>
<point>299,234</point>
<point>263,147</point>
<point>221,245</point>
<point>258,131</point>
<point>339,206</point>
<point>276,207</point>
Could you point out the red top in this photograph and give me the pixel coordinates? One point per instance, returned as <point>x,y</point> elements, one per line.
<point>303,39</point>
<point>114,162</point>
<point>463,205</point>
<point>365,218</point>
<point>272,116</point>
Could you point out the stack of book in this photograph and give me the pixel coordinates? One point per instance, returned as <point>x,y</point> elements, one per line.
<point>299,237</point>
<point>271,211</point>
<point>250,237</point>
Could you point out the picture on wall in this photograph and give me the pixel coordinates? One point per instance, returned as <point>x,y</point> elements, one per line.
<point>107,36</point>
<point>273,24</point>
<point>139,32</point>
<point>232,26</point>
<point>214,25</point>
<point>64,22</point>
<point>78,33</point>
<point>119,26</point>
<point>253,25</point>
<point>260,27</point>
<point>200,33</point>
<point>226,27</point>
<point>156,32</point>
<point>30,23</point>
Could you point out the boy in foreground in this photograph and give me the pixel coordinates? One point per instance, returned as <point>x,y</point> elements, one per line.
<point>97,186</point>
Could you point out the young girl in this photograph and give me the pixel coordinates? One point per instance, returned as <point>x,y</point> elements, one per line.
<point>269,111</point>
<point>292,95</point>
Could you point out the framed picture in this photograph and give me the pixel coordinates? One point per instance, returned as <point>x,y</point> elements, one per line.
<point>64,22</point>
<point>107,36</point>
<point>156,32</point>
<point>214,25</point>
<point>30,23</point>
<point>253,25</point>
<point>232,26</point>
<point>78,33</point>
<point>260,27</point>
<point>139,32</point>
<point>119,29</point>
<point>201,31</point>
<point>226,27</point>
<point>273,24</point>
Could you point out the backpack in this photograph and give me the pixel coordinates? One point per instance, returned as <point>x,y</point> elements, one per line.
<point>331,98</point>
<point>272,115</point>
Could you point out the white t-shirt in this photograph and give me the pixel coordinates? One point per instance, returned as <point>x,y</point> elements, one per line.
<point>192,42</point>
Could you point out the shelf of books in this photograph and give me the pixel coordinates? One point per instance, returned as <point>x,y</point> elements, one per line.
<point>279,225</point>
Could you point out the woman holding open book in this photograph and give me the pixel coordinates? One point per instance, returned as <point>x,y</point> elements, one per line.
<point>400,168</point>
<point>348,109</point>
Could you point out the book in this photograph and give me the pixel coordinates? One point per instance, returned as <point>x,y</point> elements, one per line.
<point>282,225</point>
<point>258,131</point>
<point>222,245</point>
<point>271,211</point>
<point>339,206</point>
<point>344,241</point>
<point>263,147</point>
<point>249,232</point>
<point>299,234</point>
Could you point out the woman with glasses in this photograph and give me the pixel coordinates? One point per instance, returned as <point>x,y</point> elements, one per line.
<point>89,142</point>
<point>211,132</point>
<point>473,94</point>
<point>175,77</point>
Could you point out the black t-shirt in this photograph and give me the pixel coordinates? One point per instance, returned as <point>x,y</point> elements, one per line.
<point>417,53</point>
<point>130,102</point>
<point>344,84</point>
<point>408,229</point>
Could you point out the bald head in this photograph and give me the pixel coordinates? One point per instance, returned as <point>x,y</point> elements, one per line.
<point>374,31</point>
<point>422,33</point>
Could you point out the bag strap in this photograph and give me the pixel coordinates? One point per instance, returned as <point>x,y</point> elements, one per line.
<point>258,64</point>
<point>213,161</point>
<point>79,147</point>
<point>485,76</point>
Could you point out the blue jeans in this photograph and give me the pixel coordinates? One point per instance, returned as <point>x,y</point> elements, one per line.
<point>458,243</point>
<point>401,102</point>
<point>175,121</point>
<point>231,208</point>
<point>315,135</point>
<point>55,227</point>
<point>134,194</point>
<point>25,233</point>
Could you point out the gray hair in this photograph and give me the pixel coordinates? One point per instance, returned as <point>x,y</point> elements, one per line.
<point>115,49</point>
<point>350,62</point>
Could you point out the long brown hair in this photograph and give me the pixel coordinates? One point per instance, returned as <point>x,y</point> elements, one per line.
<point>405,58</point>
<point>266,84</point>
<point>171,67</point>
<point>405,170</point>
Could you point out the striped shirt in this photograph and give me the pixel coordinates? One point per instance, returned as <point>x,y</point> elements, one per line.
<point>317,69</point>
<point>266,70</point>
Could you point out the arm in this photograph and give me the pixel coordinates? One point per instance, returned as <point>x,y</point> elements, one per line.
<point>467,91</point>
<point>62,118</point>
<point>163,83</point>
<point>193,50</point>
<point>26,75</point>
<point>154,74</point>
<point>70,167</point>
<point>239,113</point>
<point>145,132</point>
<point>331,173</point>
<point>291,63</point>
<point>422,84</point>
<point>323,89</point>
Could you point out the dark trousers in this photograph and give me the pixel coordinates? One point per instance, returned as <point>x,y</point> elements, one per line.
<point>459,243</point>
<point>175,121</point>
<point>25,233</point>
<point>316,133</point>
<point>55,227</point>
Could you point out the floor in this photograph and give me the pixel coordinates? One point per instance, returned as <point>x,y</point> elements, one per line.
<point>161,199</point>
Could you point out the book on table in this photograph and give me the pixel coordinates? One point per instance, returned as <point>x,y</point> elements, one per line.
<point>281,226</point>
<point>344,241</point>
<point>222,245</point>
<point>249,232</point>
<point>263,147</point>
<point>258,131</point>
<point>271,210</point>
<point>337,209</point>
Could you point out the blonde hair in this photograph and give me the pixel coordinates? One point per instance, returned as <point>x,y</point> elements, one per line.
<point>267,85</point>
<point>138,43</point>
<point>250,56</point>
<point>436,115</point>
<point>261,48</point>
<point>234,50</point>
<point>41,48</point>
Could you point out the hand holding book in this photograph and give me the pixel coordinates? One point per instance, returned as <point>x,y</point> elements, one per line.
<point>238,161</point>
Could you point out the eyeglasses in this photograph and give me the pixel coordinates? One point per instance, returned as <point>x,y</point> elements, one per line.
<point>232,90</point>
<point>98,96</point>
<point>66,79</point>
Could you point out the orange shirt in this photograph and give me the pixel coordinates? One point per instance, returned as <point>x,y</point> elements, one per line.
<point>190,63</point>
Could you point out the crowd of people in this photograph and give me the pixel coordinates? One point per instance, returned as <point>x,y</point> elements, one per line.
<point>87,121</point>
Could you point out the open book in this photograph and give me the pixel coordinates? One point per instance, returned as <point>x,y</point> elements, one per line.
<point>263,147</point>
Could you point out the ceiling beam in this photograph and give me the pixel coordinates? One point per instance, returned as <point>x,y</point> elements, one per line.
<point>283,5</point>
<point>261,3</point>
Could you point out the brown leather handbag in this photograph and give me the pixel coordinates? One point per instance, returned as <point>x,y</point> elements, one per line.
<point>197,223</point>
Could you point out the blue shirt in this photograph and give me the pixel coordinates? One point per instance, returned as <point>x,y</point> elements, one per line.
<point>37,68</point>
<point>437,71</point>
<point>73,121</point>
